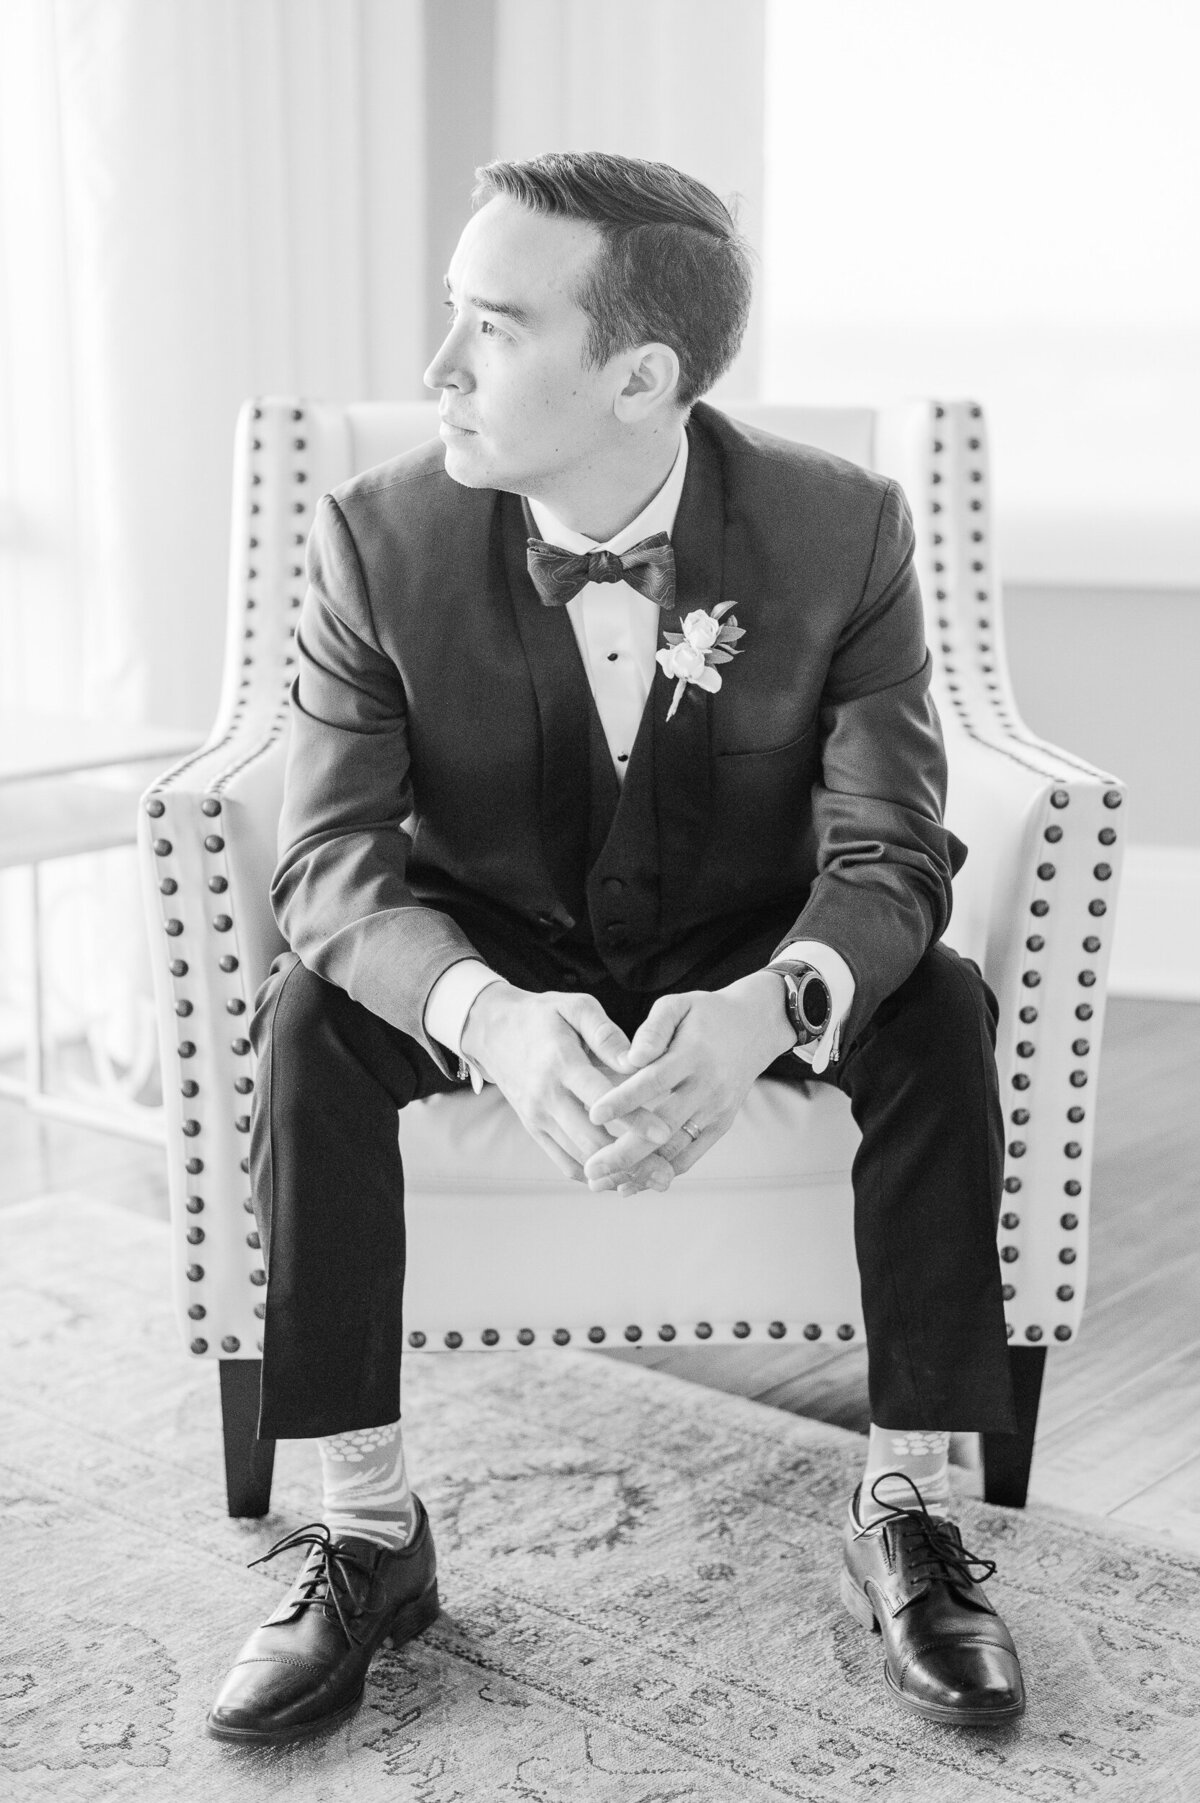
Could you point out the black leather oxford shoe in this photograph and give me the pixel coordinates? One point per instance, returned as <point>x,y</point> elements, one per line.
<point>304,1669</point>
<point>948,1655</point>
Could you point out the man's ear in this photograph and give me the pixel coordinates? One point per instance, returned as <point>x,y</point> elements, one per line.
<point>651,382</point>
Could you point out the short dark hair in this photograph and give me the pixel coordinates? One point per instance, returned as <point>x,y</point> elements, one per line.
<point>674,270</point>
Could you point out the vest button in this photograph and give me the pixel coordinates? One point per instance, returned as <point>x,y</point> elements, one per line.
<point>568,980</point>
<point>612,885</point>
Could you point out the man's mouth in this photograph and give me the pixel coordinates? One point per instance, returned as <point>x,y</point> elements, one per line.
<point>448,425</point>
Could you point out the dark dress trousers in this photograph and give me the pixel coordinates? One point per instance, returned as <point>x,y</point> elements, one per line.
<point>449,794</point>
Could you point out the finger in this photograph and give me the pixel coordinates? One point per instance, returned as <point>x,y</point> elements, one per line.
<point>636,1186</point>
<point>618,1158</point>
<point>574,1086</point>
<point>656,1031</point>
<point>601,1035</point>
<point>647,1126</point>
<point>586,1082</point>
<point>589,1084</point>
<point>683,1157</point>
<point>653,1173</point>
<point>645,1089</point>
<point>638,1135</point>
<point>622,1159</point>
<point>571,1127</point>
<point>570,1167</point>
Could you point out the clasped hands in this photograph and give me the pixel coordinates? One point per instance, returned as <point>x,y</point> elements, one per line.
<point>610,1111</point>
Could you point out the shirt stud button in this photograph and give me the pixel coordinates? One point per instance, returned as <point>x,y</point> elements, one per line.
<point>622,757</point>
<point>612,657</point>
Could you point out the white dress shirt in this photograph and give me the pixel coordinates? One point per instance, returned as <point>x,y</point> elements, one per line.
<point>616,630</point>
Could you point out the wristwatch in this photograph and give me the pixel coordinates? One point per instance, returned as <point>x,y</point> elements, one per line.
<point>806,998</point>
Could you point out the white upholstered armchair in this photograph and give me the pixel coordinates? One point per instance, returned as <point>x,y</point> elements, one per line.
<point>757,1240</point>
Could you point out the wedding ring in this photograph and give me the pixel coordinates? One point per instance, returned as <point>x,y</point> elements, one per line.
<point>690,1128</point>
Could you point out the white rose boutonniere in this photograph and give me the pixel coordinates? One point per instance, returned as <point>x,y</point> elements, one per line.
<point>690,656</point>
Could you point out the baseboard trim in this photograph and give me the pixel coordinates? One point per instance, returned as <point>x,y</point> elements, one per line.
<point>1156,949</point>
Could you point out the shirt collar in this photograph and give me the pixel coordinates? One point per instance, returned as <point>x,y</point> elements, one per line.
<point>658,515</point>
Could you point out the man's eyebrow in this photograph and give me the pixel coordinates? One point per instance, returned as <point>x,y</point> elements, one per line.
<point>520,316</point>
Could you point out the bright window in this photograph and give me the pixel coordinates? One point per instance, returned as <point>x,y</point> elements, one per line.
<point>1001,200</point>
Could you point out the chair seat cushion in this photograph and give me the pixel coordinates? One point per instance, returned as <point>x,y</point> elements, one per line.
<point>463,1143</point>
<point>756,1239</point>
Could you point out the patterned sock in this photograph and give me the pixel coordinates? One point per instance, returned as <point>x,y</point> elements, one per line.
<point>366,1486</point>
<point>895,1454</point>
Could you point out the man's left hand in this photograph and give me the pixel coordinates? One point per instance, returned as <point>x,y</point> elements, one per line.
<point>693,1059</point>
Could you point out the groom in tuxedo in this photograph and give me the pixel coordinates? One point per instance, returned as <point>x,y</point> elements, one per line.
<point>557,819</point>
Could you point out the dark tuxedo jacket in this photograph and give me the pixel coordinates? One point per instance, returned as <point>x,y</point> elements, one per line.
<point>449,792</point>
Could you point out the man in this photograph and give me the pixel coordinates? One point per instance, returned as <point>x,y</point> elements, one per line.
<point>646,856</point>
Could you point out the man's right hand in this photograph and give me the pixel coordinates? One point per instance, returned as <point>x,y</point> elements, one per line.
<point>552,1056</point>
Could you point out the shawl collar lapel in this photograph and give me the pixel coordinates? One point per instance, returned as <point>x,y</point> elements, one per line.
<point>564,699</point>
<point>668,785</point>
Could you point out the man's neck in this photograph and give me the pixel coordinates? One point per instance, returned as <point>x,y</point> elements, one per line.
<point>601,497</point>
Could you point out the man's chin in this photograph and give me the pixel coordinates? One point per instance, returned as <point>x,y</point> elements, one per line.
<point>465,462</point>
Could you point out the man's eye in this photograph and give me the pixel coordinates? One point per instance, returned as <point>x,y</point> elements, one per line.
<point>485,325</point>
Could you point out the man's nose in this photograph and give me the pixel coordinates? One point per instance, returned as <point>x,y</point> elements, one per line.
<point>446,369</point>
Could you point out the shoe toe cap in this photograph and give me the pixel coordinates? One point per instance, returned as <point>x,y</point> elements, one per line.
<point>265,1696</point>
<point>981,1679</point>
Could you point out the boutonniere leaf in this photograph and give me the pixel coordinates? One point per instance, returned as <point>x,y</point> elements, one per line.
<point>691,656</point>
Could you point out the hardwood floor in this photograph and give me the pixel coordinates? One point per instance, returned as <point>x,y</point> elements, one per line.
<point>1119,1432</point>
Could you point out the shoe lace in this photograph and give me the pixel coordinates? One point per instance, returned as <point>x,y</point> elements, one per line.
<point>325,1579</point>
<point>940,1552</point>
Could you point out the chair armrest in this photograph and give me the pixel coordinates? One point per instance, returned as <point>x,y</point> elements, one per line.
<point>1029,904</point>
<point>206,846</point>
<point>1035,907</point>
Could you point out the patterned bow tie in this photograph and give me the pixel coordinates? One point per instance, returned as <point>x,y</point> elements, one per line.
<point>558,575</point>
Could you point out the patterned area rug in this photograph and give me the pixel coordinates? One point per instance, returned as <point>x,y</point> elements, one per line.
<point>639,1580</point>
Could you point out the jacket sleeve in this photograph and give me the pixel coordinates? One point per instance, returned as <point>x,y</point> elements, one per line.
<point>340,891</point>
<point>884,859</point>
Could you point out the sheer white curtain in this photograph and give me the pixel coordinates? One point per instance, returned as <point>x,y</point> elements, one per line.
<point>199,200</point>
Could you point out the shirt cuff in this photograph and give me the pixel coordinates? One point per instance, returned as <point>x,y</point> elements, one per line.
<point>447,1006</point>
<point>839,980</point>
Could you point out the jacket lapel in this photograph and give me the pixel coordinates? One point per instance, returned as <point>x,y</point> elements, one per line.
<point>668,785</point>
<point>564,701</point>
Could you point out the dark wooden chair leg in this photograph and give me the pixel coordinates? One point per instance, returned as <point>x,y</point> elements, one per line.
<point>249,1461</point>
<point>1008,1457</point>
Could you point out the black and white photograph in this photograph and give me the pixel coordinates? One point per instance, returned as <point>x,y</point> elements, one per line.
<point>599,901</point>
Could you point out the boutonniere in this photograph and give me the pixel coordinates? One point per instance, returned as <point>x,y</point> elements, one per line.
<point>690,655</point>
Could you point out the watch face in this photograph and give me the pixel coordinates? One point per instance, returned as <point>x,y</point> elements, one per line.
<point>808,1000</point>
<point>813,1002</point>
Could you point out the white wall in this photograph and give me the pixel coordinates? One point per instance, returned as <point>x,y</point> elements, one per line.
<point>1112,675</point>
